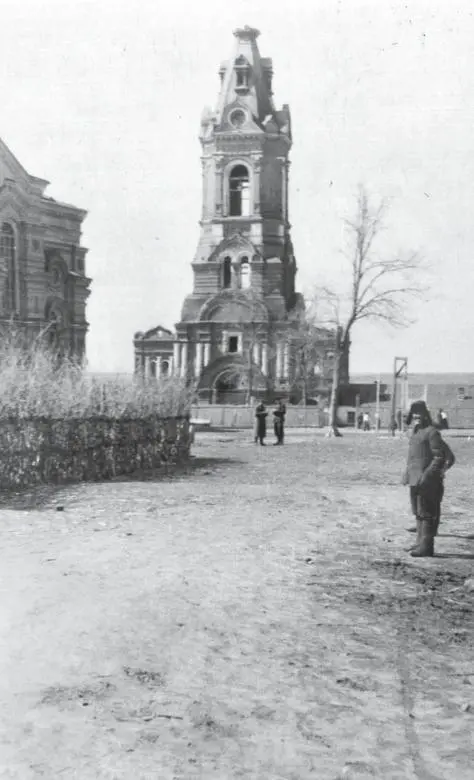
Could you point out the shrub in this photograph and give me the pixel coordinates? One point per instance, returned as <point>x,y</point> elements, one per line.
<point>34,383</point>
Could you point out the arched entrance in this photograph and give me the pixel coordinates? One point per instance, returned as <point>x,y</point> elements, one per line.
<point>230,387</point>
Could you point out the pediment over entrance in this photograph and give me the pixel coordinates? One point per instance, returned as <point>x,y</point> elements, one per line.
<point>234,307</point>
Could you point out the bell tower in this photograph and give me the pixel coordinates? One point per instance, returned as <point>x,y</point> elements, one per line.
<point>238,333</point>
<point>234,336</point>
<point>245,232</point>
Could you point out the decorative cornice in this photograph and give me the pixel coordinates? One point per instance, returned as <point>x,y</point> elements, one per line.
<point>57,207</point>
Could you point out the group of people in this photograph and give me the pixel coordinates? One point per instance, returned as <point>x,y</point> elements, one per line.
<point>429,458</point>
<point>261,415</point>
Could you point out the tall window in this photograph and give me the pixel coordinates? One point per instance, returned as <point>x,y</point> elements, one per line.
<point>227,272</point>
<point>244,273</point>
<point>242,72</point>
<point>239,192</point>
<point>233,344</point>
<point>8,260</point>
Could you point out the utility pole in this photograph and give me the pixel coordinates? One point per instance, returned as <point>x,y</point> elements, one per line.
<point>400,365</point>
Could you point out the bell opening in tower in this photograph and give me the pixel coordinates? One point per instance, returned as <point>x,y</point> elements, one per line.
<point>239,192</point>
<point>227,272</point>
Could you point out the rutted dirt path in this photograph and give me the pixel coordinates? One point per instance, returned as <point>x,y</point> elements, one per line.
<point>255,618</point>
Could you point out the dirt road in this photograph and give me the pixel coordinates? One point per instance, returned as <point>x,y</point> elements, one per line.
<point>254,618</point>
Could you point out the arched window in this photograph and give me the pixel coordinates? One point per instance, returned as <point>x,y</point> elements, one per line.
<point>239,192</point>
<point>165,368</point>
<point>227,272</point>
<point>244,273</point>
<point>242,72</point>
<point>8,260</point>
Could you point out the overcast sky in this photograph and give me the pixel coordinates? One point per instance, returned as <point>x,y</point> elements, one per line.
<point>103,98</point>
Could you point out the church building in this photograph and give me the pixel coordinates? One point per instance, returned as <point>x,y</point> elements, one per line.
<point>238,329</point>
<point>43,282</point>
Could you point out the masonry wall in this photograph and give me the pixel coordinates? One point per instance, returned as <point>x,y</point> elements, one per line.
<point>232,416</point>
<point>36,451</point>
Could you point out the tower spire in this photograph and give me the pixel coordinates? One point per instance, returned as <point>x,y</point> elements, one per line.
<point>246,78</point>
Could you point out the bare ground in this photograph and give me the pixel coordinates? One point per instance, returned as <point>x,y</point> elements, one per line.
<point>256,617</point>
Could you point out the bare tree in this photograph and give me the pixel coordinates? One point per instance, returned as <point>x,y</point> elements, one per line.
<point>308,354</point>
<point>380,288</point>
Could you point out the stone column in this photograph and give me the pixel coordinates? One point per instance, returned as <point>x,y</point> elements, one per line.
<point>198,360</point>
<point>158,366</point>
<point>257,170</point>
<point>219,162</point>
<point>256,354</point>
<point>207,350</point>
<point>286,361</point>
<point>176,348</point>
<point>278,360</point>
<point>284,187</point>
<point>147,371</point>
<point>184,358</point>
<point>224,342</point>
<point>264,358</point>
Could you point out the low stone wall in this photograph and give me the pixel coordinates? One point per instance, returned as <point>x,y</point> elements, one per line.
<point>231,416</point>
<point>43,450</point>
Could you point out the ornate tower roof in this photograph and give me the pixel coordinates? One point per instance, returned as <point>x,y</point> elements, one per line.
<point>246,82</point>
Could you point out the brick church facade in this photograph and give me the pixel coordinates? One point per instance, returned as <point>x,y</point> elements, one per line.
<point>43,284</point>
<point>239,326</point>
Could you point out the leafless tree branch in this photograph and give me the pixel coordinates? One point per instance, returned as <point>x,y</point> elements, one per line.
<point>381,288</point>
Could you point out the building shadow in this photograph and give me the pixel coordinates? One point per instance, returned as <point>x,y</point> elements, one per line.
<point>57,496</point>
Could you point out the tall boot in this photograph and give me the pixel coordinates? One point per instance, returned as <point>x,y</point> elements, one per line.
<point>418,535</point>
<point>426,547</point>
<point>436,522</point>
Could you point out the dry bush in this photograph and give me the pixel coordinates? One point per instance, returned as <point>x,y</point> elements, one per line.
<point>34,383</point>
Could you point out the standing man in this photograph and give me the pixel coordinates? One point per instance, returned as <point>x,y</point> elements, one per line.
<point>260,423</point>
<point>279,421</point>
<point>424,473</point>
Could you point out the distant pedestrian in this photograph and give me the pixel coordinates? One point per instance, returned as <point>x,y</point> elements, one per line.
<point>400,420</point>
<point>366,421</point>
<point>279,421</point>
<point>428,459</point>
<point>260,423</point>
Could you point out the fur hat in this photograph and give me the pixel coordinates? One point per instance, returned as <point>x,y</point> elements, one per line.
<point>419,407</point>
